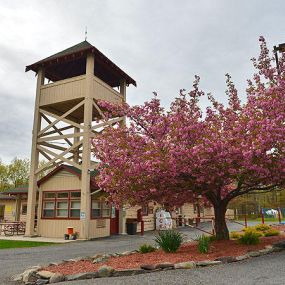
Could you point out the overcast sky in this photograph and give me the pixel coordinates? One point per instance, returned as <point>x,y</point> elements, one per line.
<point>162,44</point>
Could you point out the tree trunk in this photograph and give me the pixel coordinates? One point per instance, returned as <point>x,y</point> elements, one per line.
<point>221,228</point>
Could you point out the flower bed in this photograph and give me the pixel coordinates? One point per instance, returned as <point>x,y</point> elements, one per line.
<point>187,252</point>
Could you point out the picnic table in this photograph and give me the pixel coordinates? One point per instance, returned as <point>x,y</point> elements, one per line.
<point>12,228</point>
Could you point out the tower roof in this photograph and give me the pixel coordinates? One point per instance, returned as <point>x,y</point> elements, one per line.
<point>71,62</point>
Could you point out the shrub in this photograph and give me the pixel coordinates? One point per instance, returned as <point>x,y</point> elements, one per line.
<point>235,235</point>
<point>271,232</point>
<point>145,248</point>
<point>169,240</point>
<point>249,237</point>
<point>262,228</point>
<point>203,243</point>
<point>253,230</point>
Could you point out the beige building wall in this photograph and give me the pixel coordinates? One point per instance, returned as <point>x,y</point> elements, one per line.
<point>149,220</point>
<point>10,210</point>
<point>64,180</point>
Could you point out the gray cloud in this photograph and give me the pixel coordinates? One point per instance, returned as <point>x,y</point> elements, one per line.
<point>162,44</point>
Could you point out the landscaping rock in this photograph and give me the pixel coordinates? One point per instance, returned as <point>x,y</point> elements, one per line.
<point>42,281</point>
<point>241,257</point>
<point>254,253</point>
<point>128,272</point>
<point>29,276</point>
<point>81,276</point>
<point>45,274</point>
<point>226,259</point>
<point>56,277</point>
<point>126,253</point>
<point>148,267</point>
<point>208,263</point>
<point>164,265</point>
<point>185,265</point>
<point>105,271</point>
<point>265,251</point>
<point>100,259</point>
<point>280,244</point>
<point>277,249</point>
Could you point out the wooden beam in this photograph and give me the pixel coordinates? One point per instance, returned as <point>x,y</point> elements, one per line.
<point>60,137</point>
<point>61,157</point>
<point>110,122</point>
<point>98,109</point>
<point>62,117</point>
<point>57,156</point>
<point>45,155</point>
<point>52,146</point>
<point>56,131</point>
<point>56,128</point>
<point>64,120</point>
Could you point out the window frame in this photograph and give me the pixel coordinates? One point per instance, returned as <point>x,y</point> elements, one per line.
<point>101,203</point>
<point>145,210</point>
<point>24,206</point>
<point>55,200</point>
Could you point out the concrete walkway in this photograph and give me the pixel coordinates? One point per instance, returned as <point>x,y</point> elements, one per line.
<point>37,239</point>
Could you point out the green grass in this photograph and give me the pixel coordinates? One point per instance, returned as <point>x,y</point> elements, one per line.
<point>18,244</point>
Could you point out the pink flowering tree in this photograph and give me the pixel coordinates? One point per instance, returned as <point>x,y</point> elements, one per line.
<point>172,156</point>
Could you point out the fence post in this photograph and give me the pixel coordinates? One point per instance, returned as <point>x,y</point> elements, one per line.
<point>213,227</point>
<point>245,221</point>
<point>142,227</point>
<point>279,215</point>
<point>262,216</point>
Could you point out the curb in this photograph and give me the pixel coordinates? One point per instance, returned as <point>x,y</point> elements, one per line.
<point>36,275</point>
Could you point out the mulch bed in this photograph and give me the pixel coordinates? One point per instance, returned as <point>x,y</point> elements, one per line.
<point>187,252</point>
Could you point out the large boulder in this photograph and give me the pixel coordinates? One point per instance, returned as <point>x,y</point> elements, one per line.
<point>185,265</point>
<point>105,271</point>
<point>81,276</point>
<point>56,277</point>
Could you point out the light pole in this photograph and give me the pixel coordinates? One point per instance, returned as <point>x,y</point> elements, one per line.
<point>280,48</point>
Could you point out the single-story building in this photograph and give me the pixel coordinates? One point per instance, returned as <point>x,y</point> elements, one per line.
<point>58,207</point>
<point>13,204</point>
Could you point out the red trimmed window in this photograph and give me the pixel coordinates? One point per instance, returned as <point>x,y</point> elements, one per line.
<point>100,209</point>
<point>61,205</point>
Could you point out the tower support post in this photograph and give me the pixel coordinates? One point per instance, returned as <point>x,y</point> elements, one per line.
<point>32,192</point>
<point>85,211</point>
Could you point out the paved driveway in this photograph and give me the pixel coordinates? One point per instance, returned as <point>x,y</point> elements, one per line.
<point>14,261</point>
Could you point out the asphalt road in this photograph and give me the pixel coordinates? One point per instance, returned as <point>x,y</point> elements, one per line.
<point>13,261</point>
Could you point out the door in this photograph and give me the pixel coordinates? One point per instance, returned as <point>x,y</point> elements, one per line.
<point>2,212</point>
<point>114,222</point>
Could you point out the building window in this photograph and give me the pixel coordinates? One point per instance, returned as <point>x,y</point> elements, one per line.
<point>24,209</point>
<point>62,205</point>
<point>145,210</point>
<point>100,209</point>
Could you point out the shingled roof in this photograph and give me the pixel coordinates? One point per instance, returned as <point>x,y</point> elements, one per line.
<point>17,190</point>
<point>6,197</point>
<point>71,62</point>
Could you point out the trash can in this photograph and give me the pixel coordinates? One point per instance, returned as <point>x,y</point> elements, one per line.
<point>131,226</point>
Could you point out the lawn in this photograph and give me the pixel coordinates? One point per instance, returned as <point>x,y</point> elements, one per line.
<point>17,244</point>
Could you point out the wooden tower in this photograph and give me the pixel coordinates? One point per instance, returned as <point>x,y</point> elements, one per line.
<point>67,116</point>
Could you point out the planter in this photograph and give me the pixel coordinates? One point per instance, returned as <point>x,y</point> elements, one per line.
<point>66,236</point>
<point>73,236</point>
